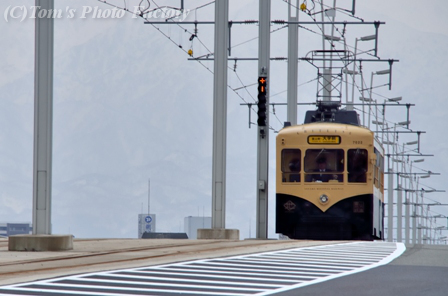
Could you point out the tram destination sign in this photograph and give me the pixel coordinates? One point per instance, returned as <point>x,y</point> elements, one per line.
<point>332,140</point>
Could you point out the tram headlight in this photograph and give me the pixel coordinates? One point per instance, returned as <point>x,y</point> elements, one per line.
<point>323,198</point>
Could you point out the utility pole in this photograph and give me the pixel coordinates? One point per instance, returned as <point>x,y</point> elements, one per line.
<point>390,204</point>
<point>43,119</point>
<point>42,239</point>
<point>293,46</point>
<point>390,191</point>
<point>220,114</point>
<point>406,220</point>
<point>149,194</point>
<point>327,75</point>
<point>399,210</point>
<point>263,124</point>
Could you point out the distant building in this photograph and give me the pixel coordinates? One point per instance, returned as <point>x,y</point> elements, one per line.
<point>146,223</point>
<point>164,235</point>
<point>8,229</point>
<point>192,224</point>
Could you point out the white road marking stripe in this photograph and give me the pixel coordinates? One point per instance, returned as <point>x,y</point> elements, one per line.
<point>203,287</point>
<point>355,247</point>
<point>324,259</point>
<point>162,280</point>
<point>345,252</point>
<point>218,274</point>
<point>275,265</point>
<point>264,272</point>
<point>319,255</point>
<point>314,260</point>
<point>62,292</point>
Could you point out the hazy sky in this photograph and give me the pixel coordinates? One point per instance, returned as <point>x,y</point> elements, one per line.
<point>415,33</point>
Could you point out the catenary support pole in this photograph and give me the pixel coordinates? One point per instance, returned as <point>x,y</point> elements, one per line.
<point>263,131</point>
<point>414,224</point>
<point>293,54</point>
<point>390,204</point>
<point>220,114</point>
<point>43,118</point>
<point>399,211</point>
<point>406,219</point>
<point>149,195</point>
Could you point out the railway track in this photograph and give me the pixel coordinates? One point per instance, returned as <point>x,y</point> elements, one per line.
<point>98,255</point>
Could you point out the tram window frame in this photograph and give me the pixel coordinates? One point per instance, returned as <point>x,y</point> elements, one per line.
<point>291,165</point>
<point>334,159</point>
<point>357,165</point>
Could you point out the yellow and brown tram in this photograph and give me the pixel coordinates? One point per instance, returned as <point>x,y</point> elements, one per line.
<point>329,179</point>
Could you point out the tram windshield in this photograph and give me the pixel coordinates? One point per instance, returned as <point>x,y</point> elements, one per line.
<point>357,165</point>
<point>324,165</point>
<point>291,165</point>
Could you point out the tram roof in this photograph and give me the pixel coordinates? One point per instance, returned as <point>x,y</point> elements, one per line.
<point>326,127</point>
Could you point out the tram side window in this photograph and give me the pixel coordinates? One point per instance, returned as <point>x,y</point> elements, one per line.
<point>357,165</point>
<point>291,165</point>
<point>324,165</point>
<point>379,170</point>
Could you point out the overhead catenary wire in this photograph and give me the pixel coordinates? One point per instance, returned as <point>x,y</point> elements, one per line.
<point>195,33</point>
<point>158,29</point>
<point>332,42</point>
<point>141,15</point>
<point>185,30</point>
<point>210,53</point>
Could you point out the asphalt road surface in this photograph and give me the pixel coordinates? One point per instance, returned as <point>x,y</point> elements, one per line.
<point>420,271</point>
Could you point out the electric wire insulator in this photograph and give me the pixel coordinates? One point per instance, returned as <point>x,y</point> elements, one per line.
<point>303,7</point>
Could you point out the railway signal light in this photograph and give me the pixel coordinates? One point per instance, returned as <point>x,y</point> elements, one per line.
<point>261,101</point>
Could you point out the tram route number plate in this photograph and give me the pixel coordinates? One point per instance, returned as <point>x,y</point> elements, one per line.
<point>335,140</point>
